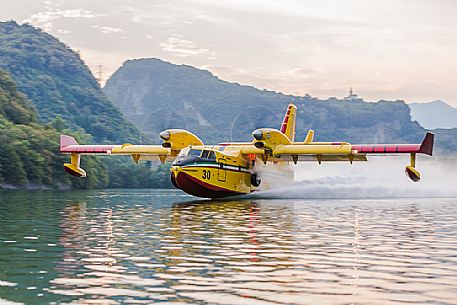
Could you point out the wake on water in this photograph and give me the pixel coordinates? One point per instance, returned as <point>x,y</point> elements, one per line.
<point>378,178</point>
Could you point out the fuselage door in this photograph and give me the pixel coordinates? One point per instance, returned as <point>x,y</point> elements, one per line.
<point>222,170</point>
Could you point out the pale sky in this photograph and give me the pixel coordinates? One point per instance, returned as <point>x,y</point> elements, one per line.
<point>390,49</point>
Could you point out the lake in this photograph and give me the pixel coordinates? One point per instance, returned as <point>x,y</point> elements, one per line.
<point>145,246</point>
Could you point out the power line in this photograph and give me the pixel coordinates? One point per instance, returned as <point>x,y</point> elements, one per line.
<point>100,74</point>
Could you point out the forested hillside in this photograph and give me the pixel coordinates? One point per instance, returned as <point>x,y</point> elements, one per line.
<point>156,95</point>
<point>30,156</point>
<point>58,83</point>
<point>61,96</point>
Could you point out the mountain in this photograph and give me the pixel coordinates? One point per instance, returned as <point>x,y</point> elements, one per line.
<point>58,83</point>
<point>155,95</point>
<point>436,114</point>
<point>445,141</point>
<point>30,157</point>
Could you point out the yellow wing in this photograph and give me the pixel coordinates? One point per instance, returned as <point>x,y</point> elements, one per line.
<point>144,152</point>
<point>68,145</point>
<point>173,141</point>
<point>298,152</point>
<point>271,144</point>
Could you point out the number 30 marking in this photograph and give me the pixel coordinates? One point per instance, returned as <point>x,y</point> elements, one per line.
<point>206,174</point>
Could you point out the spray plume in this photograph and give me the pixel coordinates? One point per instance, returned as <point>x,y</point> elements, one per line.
<point>379,178</point>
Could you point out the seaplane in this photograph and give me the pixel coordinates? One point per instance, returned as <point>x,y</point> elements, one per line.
<point>230,169</point>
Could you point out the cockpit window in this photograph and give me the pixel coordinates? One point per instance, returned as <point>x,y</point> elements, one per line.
<point>194,152</point>
<point>205,154</point>
<point>212,155</point>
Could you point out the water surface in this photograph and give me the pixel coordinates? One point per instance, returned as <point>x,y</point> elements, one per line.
<point>146,246</point>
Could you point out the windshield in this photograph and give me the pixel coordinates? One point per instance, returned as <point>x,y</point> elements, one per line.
<point>212,155</point>
<point>195,152</point>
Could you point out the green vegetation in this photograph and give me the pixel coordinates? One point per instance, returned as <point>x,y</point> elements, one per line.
<point>62,96</point>
<point>58,82</point>
<point>30,156</point>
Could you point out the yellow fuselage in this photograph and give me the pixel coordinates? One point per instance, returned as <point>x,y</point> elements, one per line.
<point>212,171</point>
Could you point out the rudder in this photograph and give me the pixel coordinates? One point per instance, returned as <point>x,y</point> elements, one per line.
<point>288,124</point>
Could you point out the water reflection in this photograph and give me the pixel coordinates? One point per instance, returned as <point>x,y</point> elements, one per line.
<point>122,247</point>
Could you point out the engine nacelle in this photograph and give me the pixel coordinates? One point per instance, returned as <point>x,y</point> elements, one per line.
<point>177,139</point>
<point>269,138</point>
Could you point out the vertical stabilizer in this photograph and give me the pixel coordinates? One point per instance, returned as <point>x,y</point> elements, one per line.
<point>288,124</point>
<point>309,136</point>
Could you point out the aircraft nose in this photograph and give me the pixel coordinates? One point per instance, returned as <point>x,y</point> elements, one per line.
<point>173,176</point>
<point>257,134</point>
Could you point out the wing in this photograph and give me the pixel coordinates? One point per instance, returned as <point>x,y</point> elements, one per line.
<point>347,152</point>
<point>68,145</point>
<point>299,152</point>
<point>173,141</point>
<point>426,147</point>
<point>278,146</point>
<point>270,144</point>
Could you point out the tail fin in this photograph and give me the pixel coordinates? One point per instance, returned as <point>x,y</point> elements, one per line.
<point>288,124</point>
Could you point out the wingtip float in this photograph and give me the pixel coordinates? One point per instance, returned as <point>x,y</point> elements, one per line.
<point>229,169</point>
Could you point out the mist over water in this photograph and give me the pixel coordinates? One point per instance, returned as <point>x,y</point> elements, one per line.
<point>380,177</point>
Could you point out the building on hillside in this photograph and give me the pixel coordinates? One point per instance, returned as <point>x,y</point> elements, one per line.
<point>352,96</point>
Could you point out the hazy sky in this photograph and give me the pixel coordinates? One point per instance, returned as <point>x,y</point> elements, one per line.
<point>390,49</point>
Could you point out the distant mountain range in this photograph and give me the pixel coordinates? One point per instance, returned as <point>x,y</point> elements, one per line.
<point>155,95</point>
<point>436,114</point>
